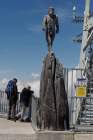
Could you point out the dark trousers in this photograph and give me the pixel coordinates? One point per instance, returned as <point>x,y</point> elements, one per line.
<point>12,108</point>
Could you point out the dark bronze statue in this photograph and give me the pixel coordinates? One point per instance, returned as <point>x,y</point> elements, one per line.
<point>50,26</point>
<point>52,112</point>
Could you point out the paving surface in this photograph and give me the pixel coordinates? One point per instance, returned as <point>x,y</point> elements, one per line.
<point>11,127</point>
<point>10,130</point>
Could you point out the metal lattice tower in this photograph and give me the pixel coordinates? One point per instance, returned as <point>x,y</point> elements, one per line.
<point>85,34</point>
<point>86,37</point>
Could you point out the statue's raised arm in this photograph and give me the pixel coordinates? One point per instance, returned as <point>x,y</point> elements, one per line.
<point>50,26</point>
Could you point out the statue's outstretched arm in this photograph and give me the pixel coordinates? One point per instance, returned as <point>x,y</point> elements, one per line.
<point>57,24</point>
<point>44,23</point>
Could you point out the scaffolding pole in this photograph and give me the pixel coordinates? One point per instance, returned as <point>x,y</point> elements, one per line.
<point>85,33</point>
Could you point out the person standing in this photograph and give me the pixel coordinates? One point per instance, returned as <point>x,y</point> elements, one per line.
<point>12,96</point>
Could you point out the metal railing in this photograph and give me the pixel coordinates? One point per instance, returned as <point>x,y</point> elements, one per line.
<point>4,104</point>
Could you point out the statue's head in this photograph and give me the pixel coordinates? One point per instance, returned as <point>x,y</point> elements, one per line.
<point>51,11</point>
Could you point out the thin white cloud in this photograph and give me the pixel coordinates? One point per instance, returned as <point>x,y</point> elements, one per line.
<point>35,85</point>
<point>21,85</point>
<point>4,81</point>
<point>35,75</point>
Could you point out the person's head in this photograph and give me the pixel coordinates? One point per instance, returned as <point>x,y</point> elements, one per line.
<point>15,80</point>
<point>29,87</point>
<point>51,11</point>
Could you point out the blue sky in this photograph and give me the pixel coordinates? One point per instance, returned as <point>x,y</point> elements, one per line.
<point>22,42</point>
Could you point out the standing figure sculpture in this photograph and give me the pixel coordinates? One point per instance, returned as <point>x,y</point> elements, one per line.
<point>50,26</point>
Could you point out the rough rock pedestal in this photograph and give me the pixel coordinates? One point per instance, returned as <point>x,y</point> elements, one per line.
<point>53,111</point>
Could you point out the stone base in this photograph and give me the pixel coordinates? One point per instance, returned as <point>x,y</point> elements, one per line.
<point>65,135</point>
<point>55,135</point>
<point>49,135</point>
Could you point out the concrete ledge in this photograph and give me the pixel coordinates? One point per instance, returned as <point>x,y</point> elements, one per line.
<point>10,130</point>
<point>17,137</point>
<point>55,135</point>
<point>83,136</point>
<point>64,135</point>
<point>49,135</point>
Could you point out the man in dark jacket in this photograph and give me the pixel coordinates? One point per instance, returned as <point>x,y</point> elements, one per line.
<point>25,101</point>
<point>12,96</point>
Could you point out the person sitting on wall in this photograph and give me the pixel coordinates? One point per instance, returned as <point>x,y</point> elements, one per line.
<point>25,104</point>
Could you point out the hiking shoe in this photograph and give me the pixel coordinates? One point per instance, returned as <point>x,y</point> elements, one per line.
<point>21,120</point>
<point>27,120</point>
<point>8,118</point>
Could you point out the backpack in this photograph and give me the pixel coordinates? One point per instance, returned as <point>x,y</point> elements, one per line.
<point>9,88</point>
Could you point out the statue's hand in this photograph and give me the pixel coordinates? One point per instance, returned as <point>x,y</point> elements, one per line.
<point>57,31</point>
